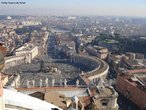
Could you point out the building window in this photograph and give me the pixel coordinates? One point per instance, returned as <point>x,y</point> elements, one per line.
<point>104,102</point>
<point>54,109</point>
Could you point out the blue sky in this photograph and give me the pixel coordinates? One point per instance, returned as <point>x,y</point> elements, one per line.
<point>77,7</point>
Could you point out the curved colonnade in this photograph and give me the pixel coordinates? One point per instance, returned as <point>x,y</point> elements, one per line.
<point>97,67</point>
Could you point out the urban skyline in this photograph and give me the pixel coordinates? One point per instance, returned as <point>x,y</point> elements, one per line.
<point>72,62</point>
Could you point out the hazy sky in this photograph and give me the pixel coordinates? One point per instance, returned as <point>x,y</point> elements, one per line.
<point>77,7</point>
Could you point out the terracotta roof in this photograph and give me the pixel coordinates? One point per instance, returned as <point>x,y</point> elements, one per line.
<point>3,76</point>
<point>38,95</point>
<point>137,71</point>
<point>3,49</point>
<point>132,62</point>
<point>56,99</point>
